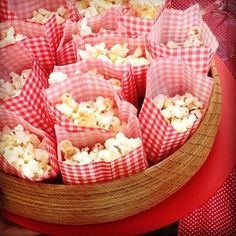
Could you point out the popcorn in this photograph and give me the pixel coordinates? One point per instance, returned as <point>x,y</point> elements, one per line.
<point>118,54</point>
<point>115,83</point>
<point>9,36</point>
<point>146,9</point>
<point>193,40</point>
<point>99,114</point>
<point>180,111</point>
<point>111,150</point>
<point>42,15</point>
<point>91,8</point>
<point>24,151</point>
<point>14,88</point>
<point>57,77</point>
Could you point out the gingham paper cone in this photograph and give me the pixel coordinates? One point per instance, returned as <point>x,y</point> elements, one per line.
<point>125,166</point>
<point>174,25</point>
<point>139,72</point>
<point>124,74</point>
<point>36,41</point>
<point>107,21</point>
<point>136,25</point>
<point>29,104</point>
<point>84,87</point>
<point>11,119</point>
<point>169,77</point>
<point>23,9</point>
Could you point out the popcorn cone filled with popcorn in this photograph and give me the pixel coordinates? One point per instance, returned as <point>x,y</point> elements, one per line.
<point>140,16</point>
<point>34,37</point>
<point>176,99</point>
<point>26,151</point>
<point>106,22</point>
<point>120,78</point>
<point>22,79</point>
<point>117,50</point>
<point>85,102</point>
<point>40,12</point>
<point>183,35</point>
<point>91,157</point>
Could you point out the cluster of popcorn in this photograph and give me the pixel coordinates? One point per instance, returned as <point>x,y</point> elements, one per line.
<point>42,15</point>
<point>112,149</point>
<point>193,40</point>
<point>118,54</point>
<point>57,77</point>
<point>101,113</point>
<point>180,111</point>
<point>90,8</point>
<point>24,151</point>
<point>146,9</point>
<point>14,88</point>
<point>9,36</point>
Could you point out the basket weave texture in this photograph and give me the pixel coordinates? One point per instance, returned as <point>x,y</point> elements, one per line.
<point>99,203</point>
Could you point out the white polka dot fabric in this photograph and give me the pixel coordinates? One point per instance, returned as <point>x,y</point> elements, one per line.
<point>217,217</point>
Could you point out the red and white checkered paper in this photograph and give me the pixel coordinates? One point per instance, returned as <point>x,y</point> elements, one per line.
<point>37,42</point>
<point>29,104</point>
<point>5,13</point>
<point>136,25</point>
<point>12,119</point>
<point>174,25</point>
<point>124,74</point>
<point>169,77</point>
<point>84,87</point>
<point>138,72</point>
<point>125,166</point>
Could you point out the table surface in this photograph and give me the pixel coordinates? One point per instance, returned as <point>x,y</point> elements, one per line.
<point>197,191</point>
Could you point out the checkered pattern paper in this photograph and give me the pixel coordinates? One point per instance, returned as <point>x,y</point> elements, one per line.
<point>124,74</point>
<point>84,87</point>
<point>5,13</point>
<point>125,166</point>
<point>136,25</point>
<point>174,25</point>
<point>138,72</point>
<point>36,42</point>
<point>11,119</point>
<point>29,104</point>
<point>169,77</point>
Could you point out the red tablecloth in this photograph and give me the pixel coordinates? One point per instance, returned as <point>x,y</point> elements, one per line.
<point>197,191</point>
<point>217,217</point>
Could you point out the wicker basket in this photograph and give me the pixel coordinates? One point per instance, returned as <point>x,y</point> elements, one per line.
<point>98,203</point>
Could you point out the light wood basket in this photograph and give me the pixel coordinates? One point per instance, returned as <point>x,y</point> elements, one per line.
<point>99,203</point>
